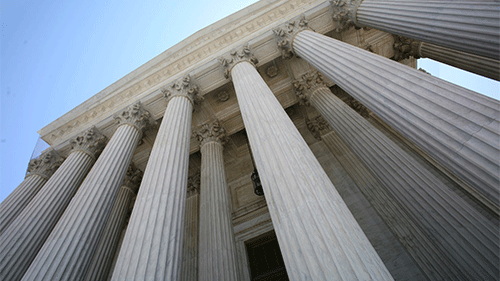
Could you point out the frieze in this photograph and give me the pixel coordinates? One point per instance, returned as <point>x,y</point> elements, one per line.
<point>45,165</point>
<point>180,60</point>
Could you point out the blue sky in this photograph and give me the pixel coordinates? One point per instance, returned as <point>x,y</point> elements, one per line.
<point>57,54</point>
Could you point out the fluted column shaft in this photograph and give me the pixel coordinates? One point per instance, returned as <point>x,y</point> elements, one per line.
<point>22,240</point>
<point>456,126</point>
<point>470,240</point>
<point>319,237</point>
<point>468,26</point>
<point>217,243</point>
<point>484,66</point>
<point>39,171</point>
<point>68,251</point>
<point>189,267</point>
<point>103,257</point>
<point>13,205</point>
<point>152,245</point>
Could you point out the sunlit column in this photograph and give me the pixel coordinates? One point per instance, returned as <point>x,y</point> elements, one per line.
<point>67,253</point>
<point>319,237</point>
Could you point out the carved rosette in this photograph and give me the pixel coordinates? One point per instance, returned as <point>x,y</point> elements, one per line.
<point>307,84</point>
<point>136,116</point>
<point>91,142</point>
<point>222,96</point>
<point>133,178</point>
<point>285,34</point>
<point>45,165</point>
<point>209,132</point>
<point>236,56</point>
<point>193,185</point>
<point>344,13</point>
<point>183,87</point>
<point>405,48</point>
<point>318,127</point>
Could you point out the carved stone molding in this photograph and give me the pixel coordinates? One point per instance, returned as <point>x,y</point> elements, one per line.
<point>90,141</point>
<point>183,87</point>
<point>285,34</point>
<point>405,48</point>
<point>209,132</point>
<point>133,178</point>
<point>344,13</point>
<point>135,115</point>
<point>222,96</point>
<point>45,165</point>
<point>235,57</point>
<point>318,127</point>
<point>307,84</point>
<point>193,184</point>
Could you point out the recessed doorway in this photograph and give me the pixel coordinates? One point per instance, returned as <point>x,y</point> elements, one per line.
<point>265,259</point>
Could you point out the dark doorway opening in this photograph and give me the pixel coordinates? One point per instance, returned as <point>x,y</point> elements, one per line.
<point>264,256</point>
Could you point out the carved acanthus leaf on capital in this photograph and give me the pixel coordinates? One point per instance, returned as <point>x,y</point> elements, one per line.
<point>209,132</point>
<point>307,84</point>
<point>193,185</point>
<point>236,56</point>
<point>318,127</point>
<point>358,107</point>
<point>183,87</point>
<point>405,48</point>
<point>344,13</point>
<point>285,34</point>
<point>90,141</point>
<point>135,115</point>
<point>133,178</point>
<point>45,165</point>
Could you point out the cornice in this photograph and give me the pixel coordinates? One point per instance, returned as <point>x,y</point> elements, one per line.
<point>204,45</point>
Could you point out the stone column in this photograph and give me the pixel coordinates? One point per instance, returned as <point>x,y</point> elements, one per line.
<point>189,267</point>
<point>217,244</point>
<point>319,237</point>
<point>153,242</point>
<point>467,26</point>
<point>470,240</point>
<point>22,240</point>
<point>455,126</point>
<point>405,47</point>
<point>103,258</point>
<point>67,253</point>
<point>39,172</point>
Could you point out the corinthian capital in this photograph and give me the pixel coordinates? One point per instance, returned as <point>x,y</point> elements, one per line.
<point>136,116</point>
<point>317,126</point>
<point>183,87</point>
<point>307,84</point>
<point>133,178</point>
<point>45,165</point>
<point>236,56</point>
<point>193,184</point>
<point>344,13</point>
<point>285,34</point>
<point>405,48</point>
<point>91,142</point>
<point>211,132</point>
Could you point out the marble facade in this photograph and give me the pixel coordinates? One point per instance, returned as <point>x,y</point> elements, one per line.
<point>371,169</point>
